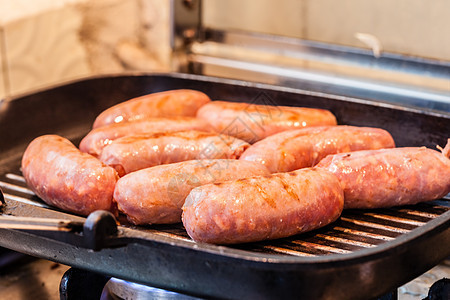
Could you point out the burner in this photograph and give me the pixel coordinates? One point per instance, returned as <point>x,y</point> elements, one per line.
<point>75,282</point>
<point>120,289</point>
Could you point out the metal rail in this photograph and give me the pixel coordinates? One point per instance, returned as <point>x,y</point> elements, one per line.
<point>310,65</point>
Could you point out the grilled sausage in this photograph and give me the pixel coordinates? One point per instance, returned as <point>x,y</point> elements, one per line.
<point>155,195</point>
<point>295,149</point>
<point>63,176</point>
<point>94,142</point>
<point>390,177</point>
<point>164,104</point>
<point>262,207</point>
<point>252,122</point>
<point>132,153</point>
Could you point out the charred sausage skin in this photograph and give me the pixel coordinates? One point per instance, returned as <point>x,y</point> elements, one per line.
<point>163,104</point>
<point>132,153</point>
<point>98,138</point>
<point>63,176</point>
<point>262,207</point>
<point>390,177</point>
<point>253,122</point>
<point>155,195</point>
<point>302,148</point>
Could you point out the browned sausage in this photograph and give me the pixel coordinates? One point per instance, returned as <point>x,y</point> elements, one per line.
<point>63,176</point>
<point>252,122</point>
<point>94,142</point>
<point>291,150</point>
<point>164,104</point>
<point>262,207</point>
<point>155,195</point>
<point>132,153</point>
<point>390,177</point>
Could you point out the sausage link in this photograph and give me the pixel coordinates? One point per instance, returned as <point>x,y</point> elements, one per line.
<point>155,195</point>
<point>63,176</point>
<point>302,148</point>
<point>262,207</point>
<point>94,142</point>
<point>164,104</point>
<point>390,177</point>
<point>132,153</point>
<point>253,122</point>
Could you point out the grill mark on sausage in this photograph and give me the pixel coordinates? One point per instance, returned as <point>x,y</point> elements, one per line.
<point>263,194</point>
<point>288,189</point>
<point>162,101</point>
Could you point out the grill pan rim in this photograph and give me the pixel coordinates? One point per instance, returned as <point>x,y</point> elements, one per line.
<point>237,82</point>
<point>279,258</point>
<point>439,227</point>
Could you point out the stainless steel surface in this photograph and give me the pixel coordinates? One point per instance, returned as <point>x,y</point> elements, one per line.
<point>418,288</point>
<point>292,62</point>
<point>315,66</point>
<point>285,50</point>
<point>185,22</point>
<point>122,289</point>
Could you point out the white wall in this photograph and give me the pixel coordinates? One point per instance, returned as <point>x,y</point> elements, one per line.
<point>46,42</point>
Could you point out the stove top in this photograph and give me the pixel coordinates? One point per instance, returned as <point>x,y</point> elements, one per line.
<point>26,277</point>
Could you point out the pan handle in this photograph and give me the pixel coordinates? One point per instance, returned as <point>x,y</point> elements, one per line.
<point>98,231</point>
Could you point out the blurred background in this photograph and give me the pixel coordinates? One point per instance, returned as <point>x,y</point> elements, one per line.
<point>45,42</point>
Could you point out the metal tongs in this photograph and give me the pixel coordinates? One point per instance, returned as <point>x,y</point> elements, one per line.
<point>99,230</point>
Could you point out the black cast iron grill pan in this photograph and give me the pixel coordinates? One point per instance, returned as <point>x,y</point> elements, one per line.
<point>362,255</point>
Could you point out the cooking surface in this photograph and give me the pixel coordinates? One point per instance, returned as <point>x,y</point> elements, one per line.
<point>353,231</point>
<point>381,249</point>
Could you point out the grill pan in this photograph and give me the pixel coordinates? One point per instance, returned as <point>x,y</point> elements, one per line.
<point>363,255</point>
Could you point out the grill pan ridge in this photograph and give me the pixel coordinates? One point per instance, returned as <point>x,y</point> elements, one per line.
<point>379,249</point>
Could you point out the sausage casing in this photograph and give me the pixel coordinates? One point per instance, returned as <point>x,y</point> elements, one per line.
<point>291,150</point>
<point>253,122</point>
<point>132,153</point>
<point>262,207</point>
<point>390,177</point>
<point>164,104</point>
<point>155,195</point>
<point>63,176</point>
<point>94,142</point>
